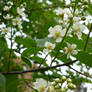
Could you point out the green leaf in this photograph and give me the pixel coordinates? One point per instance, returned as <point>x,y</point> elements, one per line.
<point>74,40</point>
<point>30,51</point>
<point>39,60</point>
<point>26,41</point>
<point>41,42</point>
<point>12,83</point>
<point>3,43</point>
<point>2,80</point>
<point>90,9</point>
<point>64,59</point>
<point>85,58</point>
<point>27,61</point>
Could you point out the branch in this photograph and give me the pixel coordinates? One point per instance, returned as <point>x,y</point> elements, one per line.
<point>85,46</point>
<point>79,72</point>
<point>39,69</point>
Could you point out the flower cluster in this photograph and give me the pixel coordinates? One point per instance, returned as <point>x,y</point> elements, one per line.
<point>63,85</point>
<point>14,22</point>
<point>58,85</point>
<point>8,6</point>
<point>63,12</point>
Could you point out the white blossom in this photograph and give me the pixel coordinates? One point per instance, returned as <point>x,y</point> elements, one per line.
<point>78,29</point>
<point>5,30</point>
<point>70,49</point>
<point>59,11</point>
<point>6,8</point>
<point>49,47</point>
<point>76,19</point>
<point>40,84</point>
<point>17,21</point>
<point>9,3</point>
<point>57,32</point>
<point>68,12</point>
<point>21,12</point>
<point>7,17</point>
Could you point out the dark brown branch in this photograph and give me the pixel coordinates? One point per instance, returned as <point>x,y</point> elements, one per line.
<point>85,46</point>
<point>79,72</point>
<point>40,69</point>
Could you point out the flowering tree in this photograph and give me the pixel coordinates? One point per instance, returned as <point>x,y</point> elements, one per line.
<point>40,37</point>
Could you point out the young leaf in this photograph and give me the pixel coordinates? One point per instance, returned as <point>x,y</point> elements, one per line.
<point>2,80</point>
<point>27,61</point>
<point>85,58</point>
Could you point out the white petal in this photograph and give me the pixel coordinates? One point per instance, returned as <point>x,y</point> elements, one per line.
<point>51,29</point>
<point>74,46</point>
<point>50,35</point>
<point>75,52</point>
<point>53,46</point>
<point>68,55</point>
<point>46,44</point>
<point>58,40</point>
<point>66,50</point>
<point>63,32</point>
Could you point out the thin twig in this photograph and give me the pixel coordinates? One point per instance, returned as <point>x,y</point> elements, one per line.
<point>85,46</point>
<point>43,61</point>
<point>79,72</point>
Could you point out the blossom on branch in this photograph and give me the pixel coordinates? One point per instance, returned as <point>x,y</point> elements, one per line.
<point>49,47</point>
<point>70,49</point>
<point>17,21</point>
<point>7,17</point>
<point>57,32</point>
<point>78,29</point>
<point>40,85</point>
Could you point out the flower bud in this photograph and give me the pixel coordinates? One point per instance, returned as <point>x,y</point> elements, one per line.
<point>69,80</point>
<point>63,90</point>
<point>85,2</point>
<point>57,80</point>
<point>85,7</point>
<point>83,18</point>
<point>57,86</point>
<point>67,6</point>
<point>63,78</point>
<point>74,86</point>
<point>71,86</point>
<point>52,89</point>
<point>73,4</point>
<point>53,83</point>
